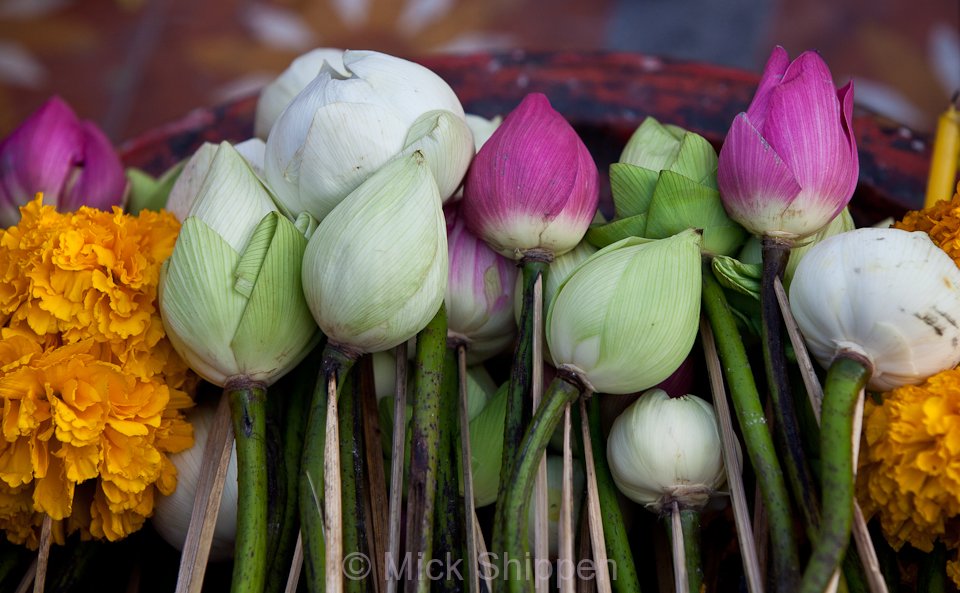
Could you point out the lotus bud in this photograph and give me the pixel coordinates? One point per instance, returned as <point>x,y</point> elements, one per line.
<point>664,449</point>
<point>275,97</point>
<point>375,270</point>
<point>187,186</point>
<point>341,129</point>
<point>628,316</point>
<point>69,161</point>
<point>446,142</point>
<point>486,448</point>
<point>384,374</point>
<point>230,295</point>
<point>150,193</point>
<point>889,295</point>
<point>172,513</point>
<point>554,498</point>
<point>533,185</point>
<point>789,164</point>
<point>480,291</point>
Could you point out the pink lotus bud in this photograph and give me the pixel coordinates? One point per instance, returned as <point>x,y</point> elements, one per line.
<point>480,287</point>
<point>71,162</point>
<point>789,164</point>
<point>533,185</point>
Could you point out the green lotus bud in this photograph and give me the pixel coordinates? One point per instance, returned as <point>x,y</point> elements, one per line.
<point>554,497</point>
<point>628,316</point>
<point>663,449</point>
<point>665,183</point>
<point>230,295</point>
<point>375,270</point>
<point>486,448</point>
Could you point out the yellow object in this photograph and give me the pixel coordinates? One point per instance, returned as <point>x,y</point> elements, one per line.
<point>946,155</point>
<point>91,391</point>
<point>910,466</point>
<point>941,221</point>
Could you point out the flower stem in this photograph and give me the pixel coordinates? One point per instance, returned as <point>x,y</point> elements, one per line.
<point>424,447</point>
<point>513,513</point>
<point>248,412</point>
<point>690,527</point>
<point>335,363</point>
<point>352,476</point>
<point>787,429</point>
<point>615,534</point>
<point>296,389</point>
<point>763,458</point>
<point>846,377</point>
<point>521,373</point>
<point>933,573</point>
<point>448,509</point>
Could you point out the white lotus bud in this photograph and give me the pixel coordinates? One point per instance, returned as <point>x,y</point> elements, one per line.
<point>341,129</point>
<point>275,97</point>
<point>887,294</point>
<point>375,270</point>
<point>230,295</point>
<point>171,517</point>
<point>628,316</point>
<point>662,449</point>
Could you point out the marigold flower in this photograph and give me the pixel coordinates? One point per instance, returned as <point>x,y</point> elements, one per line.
<point>91,391</point>
<point>910,466</point>
<point>941,221</point>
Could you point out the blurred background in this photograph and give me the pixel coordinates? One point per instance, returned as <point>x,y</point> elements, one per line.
<point>131,65</point>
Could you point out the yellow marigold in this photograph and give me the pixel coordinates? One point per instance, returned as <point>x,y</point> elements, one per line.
<point>910,466</point>
<point>91,391</point>
<point>941,221</point>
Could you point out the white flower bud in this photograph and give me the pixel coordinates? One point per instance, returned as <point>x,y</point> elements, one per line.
<point>662,449</point>
<point>887,294</point>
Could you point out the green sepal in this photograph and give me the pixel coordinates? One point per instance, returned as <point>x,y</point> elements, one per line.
<point>276,319</point>
<point>679,203</point>
<point>603,235</point>
<point>251,260</point>
<point>738,276</point>
<point>149,193</point>
<point>653,145</point>
<point>632,188</point>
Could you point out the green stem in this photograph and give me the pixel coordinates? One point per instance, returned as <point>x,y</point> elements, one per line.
<point>614,531</point>
<point>690,526</point>
<point>513,518</point>
<point>248,411</point>
<point>787,429</point>
<point>351,479</point>
<point>448,533</point>
<point>933,571</point>
<point>760,450</point>
<point>424,445</point>
<point>334,363</point>
<point>295,391</point>
<point>846,377</point>
<point>521,374</point>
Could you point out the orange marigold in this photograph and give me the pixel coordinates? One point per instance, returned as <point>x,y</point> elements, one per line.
<point>91,392</point>
<point>941,221</point>
<point>910,466</point>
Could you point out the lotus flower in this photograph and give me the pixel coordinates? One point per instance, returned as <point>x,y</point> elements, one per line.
<point>789,164</point>
<point>533,185</point>
<point>480,291</point>
<point>70,161</point>
<point>341,129</point>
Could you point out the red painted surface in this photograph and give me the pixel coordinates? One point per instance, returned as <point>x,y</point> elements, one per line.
<point>605,96</point>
